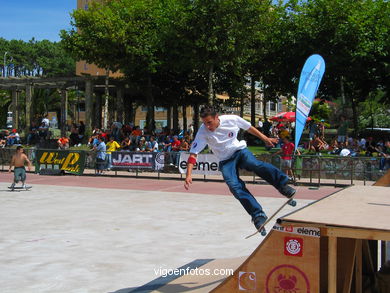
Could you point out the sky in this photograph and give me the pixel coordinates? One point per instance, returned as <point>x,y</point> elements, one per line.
<point>41,19</point>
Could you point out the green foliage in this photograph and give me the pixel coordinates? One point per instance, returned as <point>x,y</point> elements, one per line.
<point>36,58</point>
<point>373,112</point>
<point>320,111</point>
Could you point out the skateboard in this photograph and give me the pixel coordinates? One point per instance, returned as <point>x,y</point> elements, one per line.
<point>290,201</point>
<point>19,187</point>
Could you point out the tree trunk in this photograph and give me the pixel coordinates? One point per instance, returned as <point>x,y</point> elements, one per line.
<point>242,101</point>
<point>184,112</point>
<point>98,111</point>
<point>88,106</point>
<point>119,104</point>
<point>355,116</point>
<point>210,98</point>
<point>264,105</point>
<point>175,113</point>
<point>64,111</point>
<point>196,118</point>
<point>29,103</point>
<point>106,95</point>
<point>150,123</point>
<point>342,91</point>
<point>169,118</point>
<point>253,102</point>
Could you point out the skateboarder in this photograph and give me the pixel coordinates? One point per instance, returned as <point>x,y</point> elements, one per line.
<point>220,134</point>
<point>19,159</point>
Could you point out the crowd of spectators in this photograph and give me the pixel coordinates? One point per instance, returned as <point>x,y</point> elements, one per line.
<point>341,144</point>
<point>126,137</point>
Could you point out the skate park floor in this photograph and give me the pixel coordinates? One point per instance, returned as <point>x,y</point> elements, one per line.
<point>98,234</point>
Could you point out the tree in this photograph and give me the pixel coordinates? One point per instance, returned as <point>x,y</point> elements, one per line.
<point>353,38</point>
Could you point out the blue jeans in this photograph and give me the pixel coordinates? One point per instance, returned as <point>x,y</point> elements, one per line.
<point>244,159</point>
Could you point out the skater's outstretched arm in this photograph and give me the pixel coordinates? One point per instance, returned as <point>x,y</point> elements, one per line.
<point>190,165</point>
<point>268,141</point>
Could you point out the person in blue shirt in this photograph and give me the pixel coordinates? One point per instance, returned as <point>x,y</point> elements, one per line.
<point>100,149</point>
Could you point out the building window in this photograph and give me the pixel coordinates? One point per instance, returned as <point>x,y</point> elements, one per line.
<point>156,109</point>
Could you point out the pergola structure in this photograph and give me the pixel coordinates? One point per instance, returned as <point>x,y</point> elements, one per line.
<point>93,86</point>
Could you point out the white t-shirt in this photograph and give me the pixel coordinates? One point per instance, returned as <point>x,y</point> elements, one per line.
<point>46,122</point>
<point>223,140</point>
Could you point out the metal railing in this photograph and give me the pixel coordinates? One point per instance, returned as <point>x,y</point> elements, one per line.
<point>312,170</point>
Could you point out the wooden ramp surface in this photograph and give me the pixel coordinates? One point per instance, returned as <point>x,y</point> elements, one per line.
<point>361,207</point>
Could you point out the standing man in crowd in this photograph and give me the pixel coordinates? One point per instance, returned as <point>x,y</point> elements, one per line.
<point>18,161</point>
<point>100,148</point>
<point>220,134</point>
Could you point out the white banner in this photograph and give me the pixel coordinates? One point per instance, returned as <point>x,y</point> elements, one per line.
<point>206,164</point>
<point>306,231</point>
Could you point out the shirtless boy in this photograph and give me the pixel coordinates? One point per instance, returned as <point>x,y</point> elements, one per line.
<point>19,159</point>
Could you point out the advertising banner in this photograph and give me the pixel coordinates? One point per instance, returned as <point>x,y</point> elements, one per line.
<point>310,79</point>
<point>207,164</point>
<point>64,160</point>
<point>137,160</point>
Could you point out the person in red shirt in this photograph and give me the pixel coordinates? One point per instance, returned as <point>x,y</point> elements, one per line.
<point>287,152</point>
<point>63,143</point>
<point>174,154</point>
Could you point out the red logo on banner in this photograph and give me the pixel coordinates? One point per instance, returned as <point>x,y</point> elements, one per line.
<point>289,229</point>
<point>293,246</point>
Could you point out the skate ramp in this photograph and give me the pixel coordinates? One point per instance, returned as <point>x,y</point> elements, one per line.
<point>384,180</point>
<point>320,247</point>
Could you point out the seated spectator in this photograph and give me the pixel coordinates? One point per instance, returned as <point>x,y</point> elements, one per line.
<point>81,131</point>
<point>384,162</point>
<point>126,130</point>
<point>152,145</point>
<point>174,154</point>
<point>370,147</point>
<point>316,144</point>
<point>74,135</point>
<point>141,147</point>
<point>334,146</point>
<point>111,146</point>
<point>126,144</point>
<point>362,144</point>
<point>63,143</point>
<point>167,144</point>
<point>184,146</point>
<point>3,138</point>
<point>43,131</point>
<point>13,138</point>
<point>32,135</point>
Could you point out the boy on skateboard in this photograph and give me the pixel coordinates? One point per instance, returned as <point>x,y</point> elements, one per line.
<point>220,134</point>
<point>19,159</point>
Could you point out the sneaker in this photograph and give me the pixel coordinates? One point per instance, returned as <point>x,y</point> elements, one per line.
<point>259,221</point>
<point>287,191</point>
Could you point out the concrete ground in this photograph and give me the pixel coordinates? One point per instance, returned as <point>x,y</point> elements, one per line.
<point>63,236</point>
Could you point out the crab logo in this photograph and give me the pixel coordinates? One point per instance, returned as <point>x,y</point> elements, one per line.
<point>286,285</point>
<point>287,279</point>
<point>246,281</point>
<point>293,246</point>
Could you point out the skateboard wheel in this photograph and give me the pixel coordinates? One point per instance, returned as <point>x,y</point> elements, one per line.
<point>263,232</point>
<point>292,203</point>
